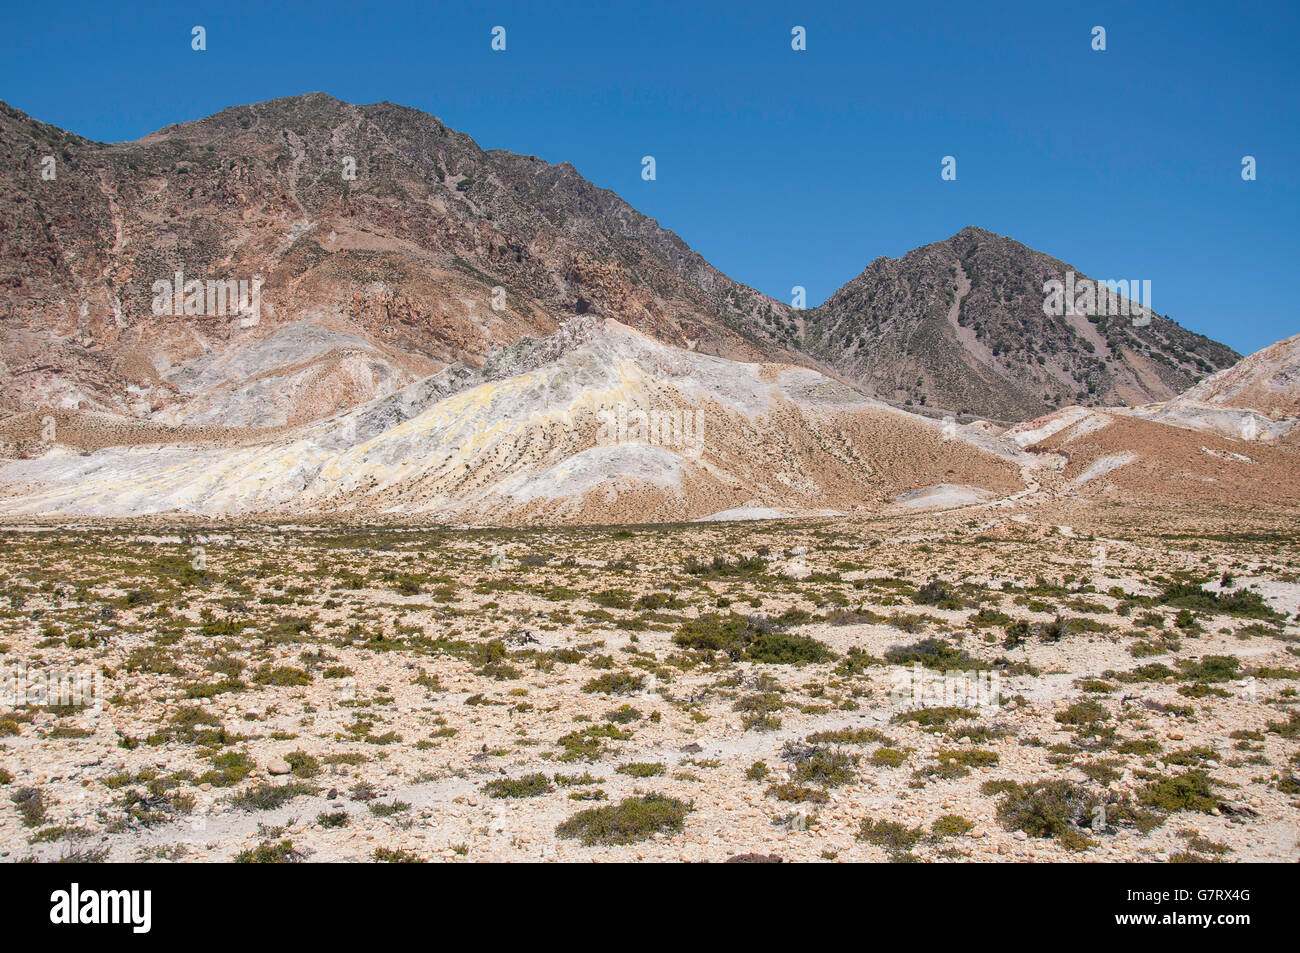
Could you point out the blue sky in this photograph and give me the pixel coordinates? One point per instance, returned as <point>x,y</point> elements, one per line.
<point>789,168</point>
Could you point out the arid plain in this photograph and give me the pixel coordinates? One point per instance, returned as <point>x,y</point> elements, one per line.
<point>682,692</point>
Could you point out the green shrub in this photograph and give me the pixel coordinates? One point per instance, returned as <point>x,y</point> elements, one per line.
<point>1083,713</point>
<point>303,764</point>
<point>760,712</point>
<point>933,653</point>
<point>228,769</point>
<point>613,599</point>
<point>586,744</point>
<point>782,648</point>
<point>1240,602</point>
<point>936,593</point>
<point>32,806</point>
<point>933,717</point>
<point>891,835</point>
<point>951,825</point>
<point>888,757</point>
<point>530,785</point>
<point>615,683</point>
<point>969,757</point>
<point>268,852</point>
<point>1047,808</point>
<point>631,820</point>
<point>815,764</point>
<point>1286,729</point>
<point>753,639</point>
<point>389,855</point>
<point>1211,668</point>
<point>850,736</point>
<point>1190,791</point>
<point>283,675</point>
<point>623,715</point>
<point>267,797</point>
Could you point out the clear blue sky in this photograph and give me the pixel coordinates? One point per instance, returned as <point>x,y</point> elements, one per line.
<point>789,168</point>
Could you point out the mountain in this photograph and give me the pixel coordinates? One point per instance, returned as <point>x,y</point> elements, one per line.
<point>380,246</point>
<point>1234,436</point>
<point>598,423</point>
<point>959,325</point>
<point>1117,455</point>
<point>1257,399</point>
<point>1267,381</point>
<point>379,237</point>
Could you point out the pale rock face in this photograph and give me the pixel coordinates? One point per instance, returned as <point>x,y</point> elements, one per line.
<point>942,495</point>
<point>609,420</point>
<point>601,423</point>
<point>1267,381</point>
<point>1257,399</point>
<point>299,373</point>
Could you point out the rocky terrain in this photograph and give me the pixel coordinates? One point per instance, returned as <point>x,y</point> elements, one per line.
<point>532,437</point>
<point>1259,397</point>
<point>1063,682</point>
<point>1074,639</point>
<point>959,326</point>
<point>528,447</point>
<point>389,247</point>
<point>381,238</point>
<point>1267,381</point>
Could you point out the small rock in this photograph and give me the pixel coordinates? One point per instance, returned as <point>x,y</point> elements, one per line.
<point>278,766</point>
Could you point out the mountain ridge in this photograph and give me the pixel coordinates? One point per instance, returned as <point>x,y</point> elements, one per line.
<point>960,324</point>
<point>438,252</point>
<point>408,253</point>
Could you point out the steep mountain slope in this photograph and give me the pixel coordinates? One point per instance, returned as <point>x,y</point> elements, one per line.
<point>379,236</point>
<point>550,434</point>
<point>959,325</point>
